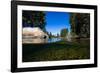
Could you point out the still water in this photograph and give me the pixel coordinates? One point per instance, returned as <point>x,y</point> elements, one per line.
<point>30,39</point>
<point>53,40</point>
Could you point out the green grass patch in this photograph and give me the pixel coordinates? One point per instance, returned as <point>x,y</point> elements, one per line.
<point>61,50</point>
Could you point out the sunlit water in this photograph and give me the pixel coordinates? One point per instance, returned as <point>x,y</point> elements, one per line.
<point>53,40</point>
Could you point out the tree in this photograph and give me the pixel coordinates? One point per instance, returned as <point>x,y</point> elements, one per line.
<point>80,24</point>
<point>63,32</point>
<point>57,34</point>
<point>34,19</point>
<point>50,35</point>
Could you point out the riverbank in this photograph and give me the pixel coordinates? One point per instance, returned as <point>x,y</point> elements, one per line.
<point>61,50</point>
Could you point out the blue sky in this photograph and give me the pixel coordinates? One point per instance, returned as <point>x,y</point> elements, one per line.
<point>57,21</point>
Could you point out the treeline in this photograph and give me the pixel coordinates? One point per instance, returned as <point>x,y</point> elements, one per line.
<point>63,33</point>
<point>34,19</point>
<point>80,24</point>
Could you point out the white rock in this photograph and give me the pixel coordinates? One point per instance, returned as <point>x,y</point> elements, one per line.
<point>34,35</point>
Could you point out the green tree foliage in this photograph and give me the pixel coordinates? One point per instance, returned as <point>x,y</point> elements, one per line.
<point>34,19</point>
<point>63,32</point>
<point>80,24</point>
<point>50,35</point>
<point>58,35</point>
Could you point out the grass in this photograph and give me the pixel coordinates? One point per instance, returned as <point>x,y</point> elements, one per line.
<point>61,50</point>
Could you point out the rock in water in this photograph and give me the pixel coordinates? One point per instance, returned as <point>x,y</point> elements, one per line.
<point>33,35</point>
